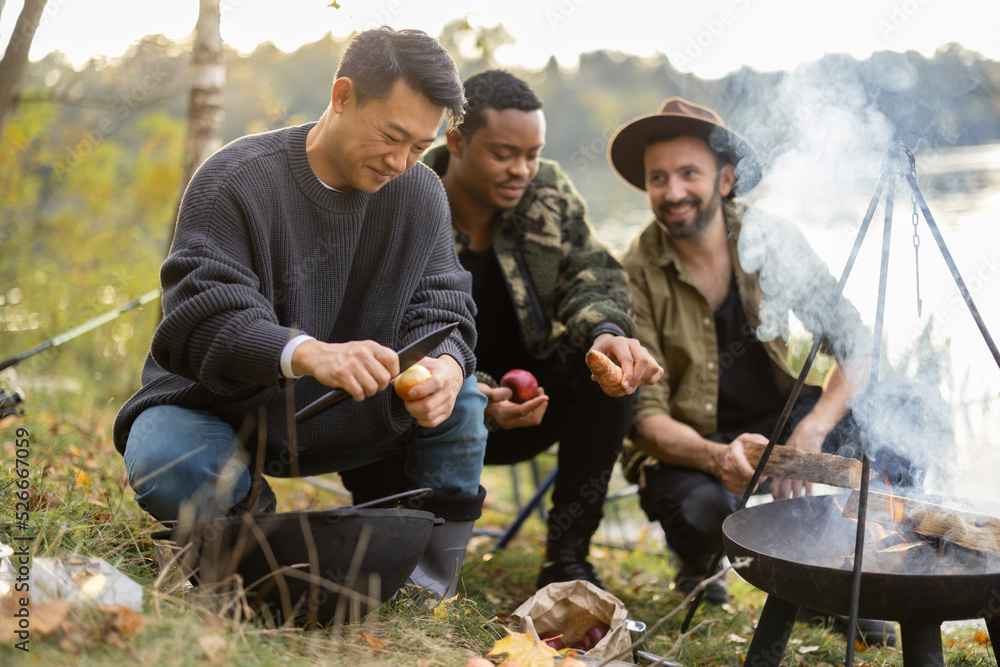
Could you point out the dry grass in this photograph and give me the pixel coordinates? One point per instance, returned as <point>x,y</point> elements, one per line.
<point>81,504</point>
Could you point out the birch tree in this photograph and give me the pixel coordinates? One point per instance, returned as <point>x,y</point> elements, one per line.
<point>14,65</point>
<point>208,76</point>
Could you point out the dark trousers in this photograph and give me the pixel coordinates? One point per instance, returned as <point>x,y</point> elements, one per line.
<point>691,505</point>
<point>589,426</point>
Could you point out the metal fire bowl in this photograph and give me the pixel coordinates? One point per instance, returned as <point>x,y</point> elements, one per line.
<point>789,539</point>
<point>313,568</point>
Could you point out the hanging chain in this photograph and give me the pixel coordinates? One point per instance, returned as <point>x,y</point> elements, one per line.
<point>916,250</point>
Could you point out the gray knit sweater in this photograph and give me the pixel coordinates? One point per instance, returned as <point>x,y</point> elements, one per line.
<point>263,251</point>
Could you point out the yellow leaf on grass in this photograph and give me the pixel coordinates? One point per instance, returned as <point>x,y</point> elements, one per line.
<point>445,610</point>
<point>525,649</point>
<point>377,644</point>
<point>82,478</point>
<point>981,638</point>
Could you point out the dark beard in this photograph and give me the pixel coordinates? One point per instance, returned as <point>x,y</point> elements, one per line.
<point>703,215</point>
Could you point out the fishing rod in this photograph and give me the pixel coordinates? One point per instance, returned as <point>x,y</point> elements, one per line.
<point>56,341</point>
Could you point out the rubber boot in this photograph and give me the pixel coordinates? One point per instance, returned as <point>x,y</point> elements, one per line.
<point>566,559</point>
<point>439,567</point>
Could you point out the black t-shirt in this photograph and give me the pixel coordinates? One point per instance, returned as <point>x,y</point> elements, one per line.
<point>499,346</point>
<point>748,392</point>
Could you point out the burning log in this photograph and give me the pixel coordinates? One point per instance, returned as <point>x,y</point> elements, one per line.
<point>979,532</point>
<point>791,463</point>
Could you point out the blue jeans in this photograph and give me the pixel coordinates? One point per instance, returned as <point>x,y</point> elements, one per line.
<point>177,454</point>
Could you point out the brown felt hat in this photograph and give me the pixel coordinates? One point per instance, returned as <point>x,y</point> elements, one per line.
<point>678,117</point>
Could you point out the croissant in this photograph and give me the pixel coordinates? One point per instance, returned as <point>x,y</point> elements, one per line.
<point>606,372</point>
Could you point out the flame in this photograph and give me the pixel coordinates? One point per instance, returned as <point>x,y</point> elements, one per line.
<point>896,506</point>
<point>874,531</point>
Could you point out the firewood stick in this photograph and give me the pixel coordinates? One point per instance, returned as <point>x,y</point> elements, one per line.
<point>979,532</point>
<point>790,463</point>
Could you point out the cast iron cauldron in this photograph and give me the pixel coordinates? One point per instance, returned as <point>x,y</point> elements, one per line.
<point>313,568</point>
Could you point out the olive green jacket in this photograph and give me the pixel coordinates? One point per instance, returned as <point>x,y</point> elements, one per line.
<point>677,325</point>
<point>565,285</point>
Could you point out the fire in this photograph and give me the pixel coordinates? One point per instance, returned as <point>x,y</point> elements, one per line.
<point>874,531</point>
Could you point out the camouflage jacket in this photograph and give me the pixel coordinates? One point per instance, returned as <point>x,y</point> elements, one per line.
<point>566,286</point>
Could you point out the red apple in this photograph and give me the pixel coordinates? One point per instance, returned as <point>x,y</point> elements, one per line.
<point>522,383</point>
<point>555,642</point>
<point>595,633</point>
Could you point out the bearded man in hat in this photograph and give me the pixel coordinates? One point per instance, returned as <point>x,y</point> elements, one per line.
<point>712,283</point>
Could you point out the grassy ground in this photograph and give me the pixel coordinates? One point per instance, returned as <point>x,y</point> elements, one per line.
<point>81,504</point>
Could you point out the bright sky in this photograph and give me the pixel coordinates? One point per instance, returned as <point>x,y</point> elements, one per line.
<point>707,38</point>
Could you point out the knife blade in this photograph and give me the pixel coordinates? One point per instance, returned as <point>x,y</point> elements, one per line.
<point>408,356</point>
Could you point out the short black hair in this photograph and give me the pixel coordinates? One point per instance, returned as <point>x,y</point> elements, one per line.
<point>375,59</point>
<point>495,89</point>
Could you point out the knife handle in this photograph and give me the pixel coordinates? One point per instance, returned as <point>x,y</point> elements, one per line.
<point>328,400</point>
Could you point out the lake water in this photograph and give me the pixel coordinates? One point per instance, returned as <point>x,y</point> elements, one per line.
<point>962,190</point>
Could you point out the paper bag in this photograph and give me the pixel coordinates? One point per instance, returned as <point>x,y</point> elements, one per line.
<point>569,608</point>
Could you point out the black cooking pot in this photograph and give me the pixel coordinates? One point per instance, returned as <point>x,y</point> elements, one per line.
<point>313,568</point>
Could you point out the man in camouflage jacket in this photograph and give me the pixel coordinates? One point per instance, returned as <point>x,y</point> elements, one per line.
<point>547,291</point>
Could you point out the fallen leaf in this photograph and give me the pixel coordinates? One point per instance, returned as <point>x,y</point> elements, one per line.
<point>46,617</point>
<point>733,637</point>
<point>43,501</point>
<point>445,609</point>
<point>981,638</point>
<point>82,478</point>
<point>952,643</point>
<point>860,646</point>
<point>808,649</point>
<point>123,619</point>
<point>214,646</point>
<point>524,648</point>
<point>377,644</point>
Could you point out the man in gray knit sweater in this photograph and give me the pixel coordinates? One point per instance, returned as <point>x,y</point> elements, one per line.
<point>301,260</point>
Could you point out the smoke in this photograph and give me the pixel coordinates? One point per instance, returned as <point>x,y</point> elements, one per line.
<point>824,149</point>
<point>823,143</point>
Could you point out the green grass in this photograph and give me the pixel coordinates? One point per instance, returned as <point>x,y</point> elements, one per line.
<point>83,505</point>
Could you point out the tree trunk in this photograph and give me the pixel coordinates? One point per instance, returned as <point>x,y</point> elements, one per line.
<point>14,65</point>
<point>208,76</point>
